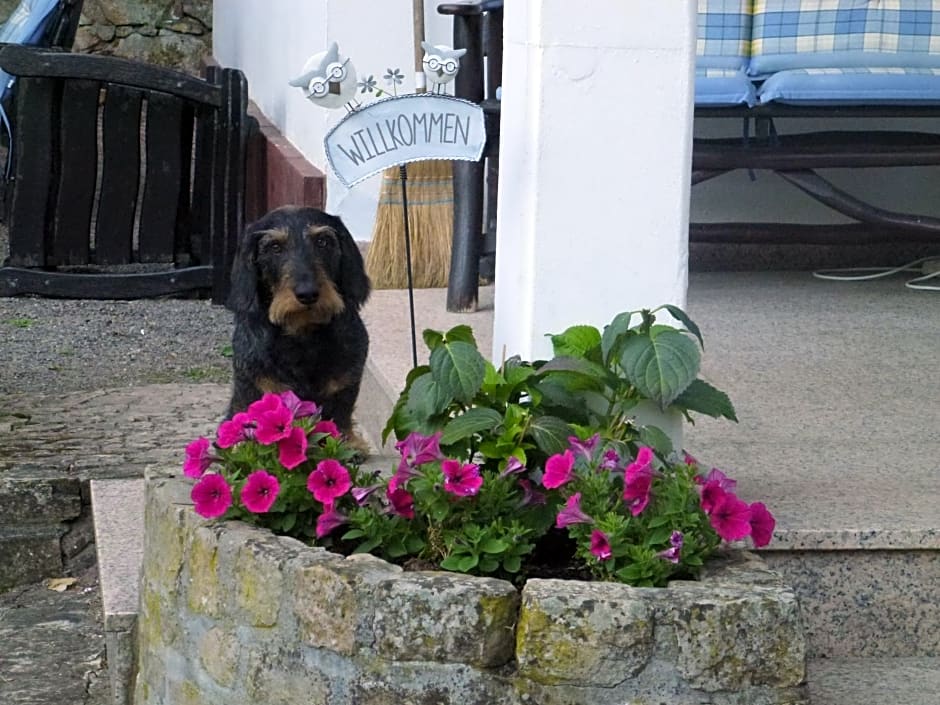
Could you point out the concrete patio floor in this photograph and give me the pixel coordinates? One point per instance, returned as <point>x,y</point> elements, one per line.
<point>836,386</point>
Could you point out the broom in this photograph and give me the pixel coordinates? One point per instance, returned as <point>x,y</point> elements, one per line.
<point>431,211</point>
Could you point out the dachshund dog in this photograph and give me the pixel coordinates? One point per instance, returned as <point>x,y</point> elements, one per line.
<point>298,283</point>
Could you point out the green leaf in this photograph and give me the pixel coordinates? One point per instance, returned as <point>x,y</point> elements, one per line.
<point>488,564</point>
<point>613,331</point>
<point>459,369</point>
<point>702,397</point>
<point>492,545</point>
<point>577,341</point>
<point>462,333</point>
<point>415,544</point>
<point>661,367</point>
<point>475,420</point>
<point>353,534</point>
<point>368,545</point>
<point>426,398</point>
<point>512,564</point>
<point>655,438</point>
<point>684,319</point>
<point>432,338</point>
<point>550,434</point>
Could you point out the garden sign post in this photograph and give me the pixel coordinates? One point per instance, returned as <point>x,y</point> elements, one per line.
<point>389,132</point>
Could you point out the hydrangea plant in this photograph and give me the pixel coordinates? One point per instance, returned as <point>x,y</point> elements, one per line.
<point>501,471</point>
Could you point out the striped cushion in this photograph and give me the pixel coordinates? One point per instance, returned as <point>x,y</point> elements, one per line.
<point>794,34</point>
<point>853,86</point>
<point>724,33</point>
<point>721,87</point>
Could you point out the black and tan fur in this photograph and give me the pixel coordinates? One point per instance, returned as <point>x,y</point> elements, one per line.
<point>298,283</point>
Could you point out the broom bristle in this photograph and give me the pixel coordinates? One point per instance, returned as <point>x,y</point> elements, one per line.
<point>430,217</point>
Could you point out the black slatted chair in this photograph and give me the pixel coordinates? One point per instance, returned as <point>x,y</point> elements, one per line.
<point>128,179</point>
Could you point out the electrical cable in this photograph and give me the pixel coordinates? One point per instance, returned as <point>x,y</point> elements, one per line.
<point>929,267</point>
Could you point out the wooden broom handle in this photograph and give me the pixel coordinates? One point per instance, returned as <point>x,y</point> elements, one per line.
<point>417,16</point>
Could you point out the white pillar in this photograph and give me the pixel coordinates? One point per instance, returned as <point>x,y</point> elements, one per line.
<point>595,158</point>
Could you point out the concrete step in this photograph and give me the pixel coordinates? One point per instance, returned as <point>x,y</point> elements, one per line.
<point>874,681</point>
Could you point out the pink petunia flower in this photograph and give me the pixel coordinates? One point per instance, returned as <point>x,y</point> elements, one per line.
<point>638,480</point>
<point>461,480</point>
<point>260,491</point>
<point>711,493</point>
<point>762,524</point>
<point>274,425</point>
<point>268,402</point>
<point>671,554</point>
<point>211,496</point>
<point>714,486</point>
<point>530,495</point>
<point>731,518</point>
<point>401,503</point>
<point>610,461</point>
<point>558,470</point>
<point>328,427</point>
<point>600,545</point>
<point>328,481</point>
<point>300,409</point>
<point>362,494</point>
<point>572,513</point>
<point>417,450</point>
<point>198,458</point>
<point>584,448</point>
<point>329,520</point>
<point>514,466</point>
<point>292,450</point>
<point>401,476</point>
<point>240,427</point>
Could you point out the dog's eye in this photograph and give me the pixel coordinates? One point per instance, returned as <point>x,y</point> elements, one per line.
<point>323,242</point>
<point>273,248</point>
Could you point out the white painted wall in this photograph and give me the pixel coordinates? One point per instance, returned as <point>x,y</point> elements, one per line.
<point>594,187</point>
<point>270,40</point>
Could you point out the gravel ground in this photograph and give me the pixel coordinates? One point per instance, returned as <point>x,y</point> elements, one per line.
<point>58,345</point>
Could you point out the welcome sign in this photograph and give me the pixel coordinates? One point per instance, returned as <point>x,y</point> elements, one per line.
<point>404,129</point>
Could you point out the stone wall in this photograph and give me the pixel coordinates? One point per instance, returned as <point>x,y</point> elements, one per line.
<point>231,614</point>
<point>175,33</point>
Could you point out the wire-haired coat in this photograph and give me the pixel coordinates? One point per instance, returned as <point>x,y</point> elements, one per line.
<point>298,283</point>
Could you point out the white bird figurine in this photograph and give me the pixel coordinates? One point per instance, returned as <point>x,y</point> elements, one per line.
<point>441,64</point>
<point>328,79</point>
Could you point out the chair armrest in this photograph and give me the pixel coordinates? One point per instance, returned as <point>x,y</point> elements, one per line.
<point>469,8</point>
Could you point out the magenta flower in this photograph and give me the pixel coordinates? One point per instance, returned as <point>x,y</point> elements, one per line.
<point>401,503</point>
<point>211,496</point>
<point>514,466</point>
<point>237,429</point>
<point>362,494</point>
<point>300,409</point>
<point>328,427</point>
<point>329,520</point>
<point>572,513</point>
<point>401,476</point>
<point>638,480</point>
<point>585,448</point>
<point>671,554</point>
<point>461,480</point>
<point>417,449</point>
<point>610,461</point>
<point>558,470</point>
<point>329,481</point>
<point>529,494</point>
<point>762,524</point>
<point>689,459</point>
<point>268,402</point>
<point>260,491</point>
<point>600,545</point>
<point>715,485</point>
<point>292,450</point>
<point>730,518</point>
<point>198,458</point>
<point>274,425</point>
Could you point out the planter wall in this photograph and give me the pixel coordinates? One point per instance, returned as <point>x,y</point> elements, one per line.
<point>234,615</point>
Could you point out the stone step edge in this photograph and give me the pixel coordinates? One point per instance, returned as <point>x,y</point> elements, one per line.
<point>874,680</point>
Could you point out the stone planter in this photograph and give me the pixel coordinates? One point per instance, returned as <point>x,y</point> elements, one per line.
<point>234,615</point>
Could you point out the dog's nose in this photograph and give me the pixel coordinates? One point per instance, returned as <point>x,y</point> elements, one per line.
<point>306,293</point>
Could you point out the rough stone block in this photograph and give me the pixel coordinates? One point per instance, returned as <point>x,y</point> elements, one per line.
<point>203,586</point>
<point>335,602</point>
<point>280,677</point>
<point>218,654</point>
<point>29,554</point>
<point>426,683</point>
<point>573,632</point>
<point>258,579</point>
<point>446,617</point>
<point>40,501</point>
<point>733,638</point>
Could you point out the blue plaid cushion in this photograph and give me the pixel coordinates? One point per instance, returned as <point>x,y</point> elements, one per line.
<point>793,34</point>
<point>719,87</point>
<point>724,34</point>
<point>853,86</point>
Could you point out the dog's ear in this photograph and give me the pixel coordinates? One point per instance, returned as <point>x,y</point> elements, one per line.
<point>353,282</point>
<point>243,297</point>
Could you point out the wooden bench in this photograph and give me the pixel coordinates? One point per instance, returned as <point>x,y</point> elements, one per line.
<point>754,73</point>
<point>118,167</point>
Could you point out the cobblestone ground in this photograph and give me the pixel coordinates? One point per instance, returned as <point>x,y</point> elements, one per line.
<point>51,643</point>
